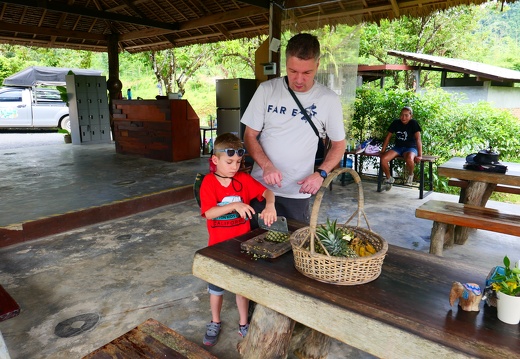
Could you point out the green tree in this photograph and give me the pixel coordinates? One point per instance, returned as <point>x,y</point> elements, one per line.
<point>501,34</point>
<point>448,33</point>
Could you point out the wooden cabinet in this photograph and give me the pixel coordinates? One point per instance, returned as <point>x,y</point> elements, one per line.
<point>165,130</point>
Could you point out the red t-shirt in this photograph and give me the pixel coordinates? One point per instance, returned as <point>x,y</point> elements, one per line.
<point>243,188</point>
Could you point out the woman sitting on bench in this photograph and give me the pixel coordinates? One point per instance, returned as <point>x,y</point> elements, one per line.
<point>408,145</point>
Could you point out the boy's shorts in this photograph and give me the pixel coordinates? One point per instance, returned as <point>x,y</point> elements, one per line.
<point>213,289</point>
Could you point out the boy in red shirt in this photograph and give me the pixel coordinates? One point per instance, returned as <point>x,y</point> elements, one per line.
<point>225,195</point>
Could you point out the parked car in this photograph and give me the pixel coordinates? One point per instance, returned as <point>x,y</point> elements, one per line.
<point>30,98</point>
<point>32,107</point>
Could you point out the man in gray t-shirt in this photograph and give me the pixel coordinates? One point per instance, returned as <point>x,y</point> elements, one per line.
<point>282,142</point>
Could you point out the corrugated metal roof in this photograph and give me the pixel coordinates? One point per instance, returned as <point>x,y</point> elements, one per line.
<point>478,69</point>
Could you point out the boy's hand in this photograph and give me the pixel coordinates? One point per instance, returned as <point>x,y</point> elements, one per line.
<point>244,210</point>
<point>268,215</point>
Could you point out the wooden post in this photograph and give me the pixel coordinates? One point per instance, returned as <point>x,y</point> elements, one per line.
<point>114,85</point>
<point>310,344</point>
<point>275,31</point>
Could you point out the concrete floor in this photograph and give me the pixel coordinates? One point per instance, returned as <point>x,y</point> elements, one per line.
<point>116,274</point>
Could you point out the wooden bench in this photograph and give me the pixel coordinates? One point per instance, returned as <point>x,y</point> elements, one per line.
<point>455,182</point>
<point>151,339</point>
<point>380,177</point>
<point>449,213</point>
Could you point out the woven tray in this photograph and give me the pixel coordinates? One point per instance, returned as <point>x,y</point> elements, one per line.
<point>338,270</point>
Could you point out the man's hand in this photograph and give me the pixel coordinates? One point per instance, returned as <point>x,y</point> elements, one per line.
<point>272,176</point>
<point>311,184</point>
<point>417,159</point>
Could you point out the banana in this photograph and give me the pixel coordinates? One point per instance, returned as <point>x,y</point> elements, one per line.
<point>362,251</point>
<point>370,248</point>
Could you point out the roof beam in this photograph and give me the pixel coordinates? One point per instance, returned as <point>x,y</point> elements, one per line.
<point>51,31</point>
<point>82,11</point>
<point>295,4</point>
<point>222,17</point>
<point>210,20</point>
<point>66,45</point>
<point>260,3</point>
<point>210,37</point>
<point>395,7</point>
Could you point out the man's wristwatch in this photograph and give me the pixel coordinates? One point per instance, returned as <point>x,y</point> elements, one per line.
<point>322,173</point>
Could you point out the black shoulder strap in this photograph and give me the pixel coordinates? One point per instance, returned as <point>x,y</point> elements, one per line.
<point>301,107</point>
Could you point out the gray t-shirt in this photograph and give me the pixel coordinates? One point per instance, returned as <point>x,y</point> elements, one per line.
<point>286,137</point>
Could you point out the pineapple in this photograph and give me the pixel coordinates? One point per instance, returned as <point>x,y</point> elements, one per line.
<point>334,239</point>
<point>277,237</point>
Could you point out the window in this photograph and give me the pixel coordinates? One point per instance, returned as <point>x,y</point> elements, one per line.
<point>11,96</point>
<point>47,95</point>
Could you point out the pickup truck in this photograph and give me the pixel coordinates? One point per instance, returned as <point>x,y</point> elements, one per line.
<point>32,107</point>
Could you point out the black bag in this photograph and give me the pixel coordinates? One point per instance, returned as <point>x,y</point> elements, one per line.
<point>486,161</point>
<point>320,152</point>
<point>323,144</point>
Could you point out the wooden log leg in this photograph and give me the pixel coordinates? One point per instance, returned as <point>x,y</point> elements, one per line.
<point>309,343</point>
<point>437,238</point>
<point>461,234</point>
<point>449,236</point>
<point>487,193</point>
<point>476,194</point>
<point>268,337</point>
<point>462,195</point>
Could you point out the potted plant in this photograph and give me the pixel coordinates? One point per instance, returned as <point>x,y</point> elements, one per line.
<point>66,135</point>
<point>506,283</point>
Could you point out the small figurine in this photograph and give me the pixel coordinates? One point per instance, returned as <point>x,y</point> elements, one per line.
<point>469,295</point>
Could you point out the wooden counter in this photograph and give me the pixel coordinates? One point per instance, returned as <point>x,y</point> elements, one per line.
<point>165,130</point>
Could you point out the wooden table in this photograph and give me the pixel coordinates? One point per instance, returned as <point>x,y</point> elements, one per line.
<point>480,185</point>
<point>454,168</point>
<point>150,339</point>
<point>405,313</point>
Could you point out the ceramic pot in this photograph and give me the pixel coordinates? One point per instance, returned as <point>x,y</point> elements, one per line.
<point>508,308</point>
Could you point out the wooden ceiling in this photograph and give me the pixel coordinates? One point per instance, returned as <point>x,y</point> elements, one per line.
<point>144,25</point>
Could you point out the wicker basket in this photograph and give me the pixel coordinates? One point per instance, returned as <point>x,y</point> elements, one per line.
<point>338,270</point>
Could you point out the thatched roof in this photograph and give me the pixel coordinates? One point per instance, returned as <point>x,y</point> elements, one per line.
<point>160,24</point>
